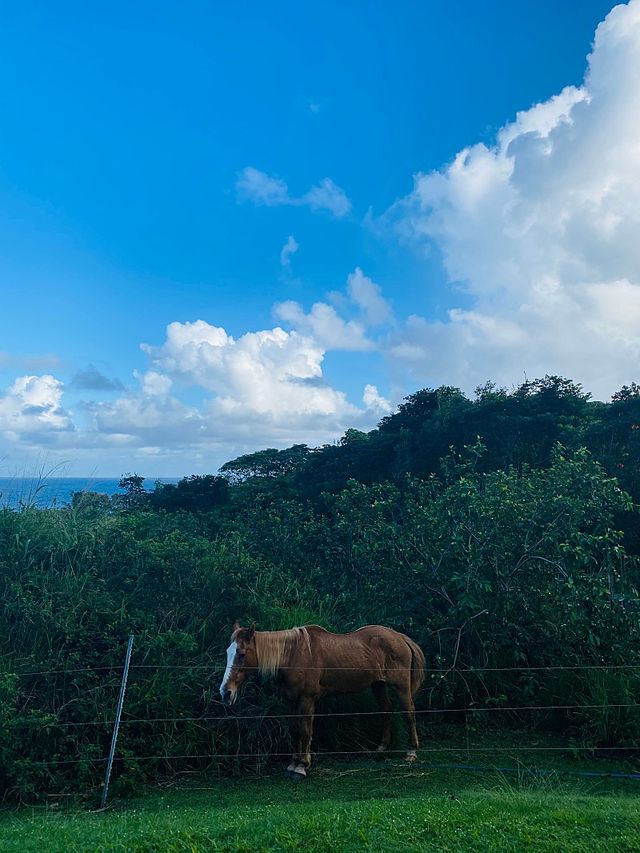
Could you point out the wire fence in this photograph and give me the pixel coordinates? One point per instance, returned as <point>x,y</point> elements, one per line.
<point>495,705</point>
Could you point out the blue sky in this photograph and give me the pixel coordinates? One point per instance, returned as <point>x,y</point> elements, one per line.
<point>155,158</point>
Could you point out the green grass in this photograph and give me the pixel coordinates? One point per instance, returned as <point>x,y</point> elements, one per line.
<point>347,807</point>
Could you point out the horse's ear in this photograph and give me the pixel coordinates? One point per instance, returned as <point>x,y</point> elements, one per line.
<point>251,630</point>
<point>236,625</point>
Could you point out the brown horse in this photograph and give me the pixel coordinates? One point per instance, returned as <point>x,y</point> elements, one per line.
<point>310,663</point>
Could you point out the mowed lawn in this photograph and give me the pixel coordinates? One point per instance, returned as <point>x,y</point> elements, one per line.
<point>344,808</point>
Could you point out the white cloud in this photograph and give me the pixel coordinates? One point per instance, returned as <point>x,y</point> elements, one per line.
<point>33,404</point>
<point>267,386</point>
<point>367,295</point>
<point>289,248</point>
<point>146,419</point>
<point>541,230</point>
<point>270,372</point>
<point>374,401</point>
<point>332,331</point>
<point>327,196</point>
<point>260,188</point>
<point>155,384</point>
<point>325,325</point>
<point>256,186</point>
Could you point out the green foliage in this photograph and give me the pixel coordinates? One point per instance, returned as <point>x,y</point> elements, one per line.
<point>198,493</point>
<point>266,463</point>
<point>509,556</point>
<point>135,495</point>
<point>517,428</point>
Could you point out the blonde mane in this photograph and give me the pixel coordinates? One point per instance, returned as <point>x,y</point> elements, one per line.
<point>272,647</point>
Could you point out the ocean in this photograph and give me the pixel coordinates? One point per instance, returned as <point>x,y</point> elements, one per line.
<point>57,491</point>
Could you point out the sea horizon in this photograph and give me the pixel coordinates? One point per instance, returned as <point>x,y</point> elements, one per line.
<point>43,492</point>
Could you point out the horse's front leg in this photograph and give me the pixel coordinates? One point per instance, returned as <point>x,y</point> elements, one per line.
<point>306,710</point>
<point>379,689</point>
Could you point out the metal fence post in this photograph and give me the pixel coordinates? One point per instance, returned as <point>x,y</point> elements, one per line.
<point>116,724</point>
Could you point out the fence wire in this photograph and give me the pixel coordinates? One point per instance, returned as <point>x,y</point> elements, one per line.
<point>439,670</point>
<point>231,717</point>
<point>342,752</point>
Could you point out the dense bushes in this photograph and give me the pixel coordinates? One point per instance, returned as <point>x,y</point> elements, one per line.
<point>494,570</point>
<point>513,579</point>
<point>71,592</point>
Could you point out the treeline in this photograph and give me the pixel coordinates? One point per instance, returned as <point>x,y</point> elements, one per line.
<point>517,428</point>
<point>499,532</point>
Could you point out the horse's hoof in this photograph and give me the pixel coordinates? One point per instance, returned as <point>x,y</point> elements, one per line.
<point>411,756</point>
<point>298,772</point>
<point>295,775</point>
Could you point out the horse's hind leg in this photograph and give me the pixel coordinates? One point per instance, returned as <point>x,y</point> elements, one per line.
<point>379,690</point>
<point>294,729</point>
<point>302,759</point>
<point>406,701</point>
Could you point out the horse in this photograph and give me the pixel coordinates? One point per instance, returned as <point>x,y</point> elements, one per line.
<point>310,662</point>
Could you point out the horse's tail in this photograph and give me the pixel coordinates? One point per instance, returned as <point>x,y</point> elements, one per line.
<point>418,664</point>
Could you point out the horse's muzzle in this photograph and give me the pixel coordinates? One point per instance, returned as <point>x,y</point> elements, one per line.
<point>227,697</point>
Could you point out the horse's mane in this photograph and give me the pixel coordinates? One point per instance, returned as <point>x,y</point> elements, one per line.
<point>272,647</point>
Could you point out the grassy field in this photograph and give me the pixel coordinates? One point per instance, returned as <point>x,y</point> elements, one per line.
<point>346,807</point>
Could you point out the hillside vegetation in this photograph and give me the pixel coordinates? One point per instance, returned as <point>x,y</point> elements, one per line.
<point>500,532</point>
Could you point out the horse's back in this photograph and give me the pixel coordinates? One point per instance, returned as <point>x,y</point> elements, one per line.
<point>361,657</point>
<point>364,630</point>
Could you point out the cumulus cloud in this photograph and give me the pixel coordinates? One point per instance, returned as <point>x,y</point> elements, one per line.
<point>147,418</point>
<point>270,372</point>
<point>324,324</point>
<point>33,405</point>
<point>374,401</point>
<point>289,249</point>
<point>263,388</point>
<point>541,229</point>
<point>154,384</point>
<point>260,188</point>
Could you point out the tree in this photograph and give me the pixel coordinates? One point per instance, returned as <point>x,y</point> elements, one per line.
<point>266,463</point>
<point>197,493</point>
<point>135,496</point>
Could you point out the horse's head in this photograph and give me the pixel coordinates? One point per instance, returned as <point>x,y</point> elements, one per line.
<point>241,661</point>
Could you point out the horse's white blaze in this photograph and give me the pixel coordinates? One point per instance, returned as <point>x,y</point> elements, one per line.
<point>231,656</point>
